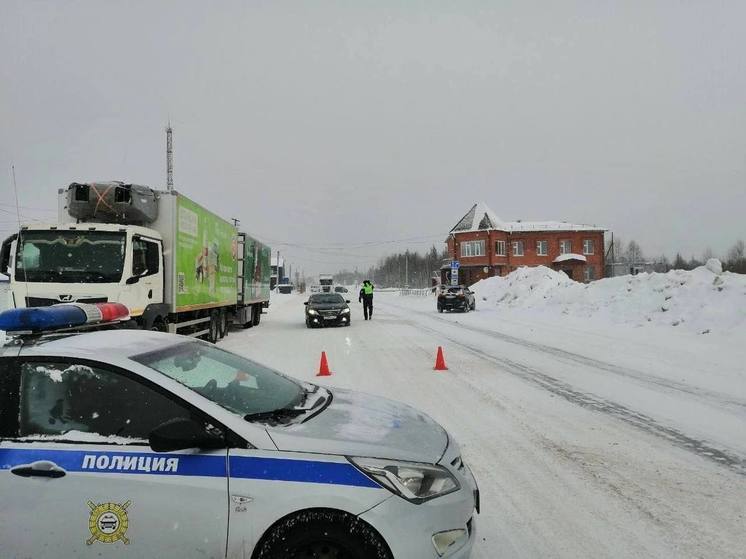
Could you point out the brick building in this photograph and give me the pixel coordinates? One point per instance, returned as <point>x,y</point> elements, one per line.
<point>486,246</point>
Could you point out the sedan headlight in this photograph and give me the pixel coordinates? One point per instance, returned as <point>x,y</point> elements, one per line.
<point>312,312</point>
<point>412,481</point>
<point>346,311</point>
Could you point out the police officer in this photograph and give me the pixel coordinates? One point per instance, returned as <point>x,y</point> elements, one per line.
<point>366,298</point>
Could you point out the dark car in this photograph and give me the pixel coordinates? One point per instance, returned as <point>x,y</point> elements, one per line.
<point>456,298</point>
<point>327,309</point>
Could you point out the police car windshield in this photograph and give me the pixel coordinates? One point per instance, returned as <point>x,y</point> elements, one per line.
<point>233,382</point>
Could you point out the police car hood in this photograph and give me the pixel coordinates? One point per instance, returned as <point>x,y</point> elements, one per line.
<point>357,424</point>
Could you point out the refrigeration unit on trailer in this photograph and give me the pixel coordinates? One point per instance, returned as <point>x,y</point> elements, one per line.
<point>177,266</point>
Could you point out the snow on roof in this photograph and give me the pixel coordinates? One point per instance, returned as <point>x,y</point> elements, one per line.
<point>570,256</point>
<point>480,218</point>
<point>522,226</point>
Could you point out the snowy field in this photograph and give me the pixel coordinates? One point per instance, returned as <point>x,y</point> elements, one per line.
<point>587,441</point>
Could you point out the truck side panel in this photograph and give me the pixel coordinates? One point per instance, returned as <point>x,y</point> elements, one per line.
<point>205,258</point>
<point>257,271</point>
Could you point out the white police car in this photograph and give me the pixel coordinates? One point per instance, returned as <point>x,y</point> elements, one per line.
<point>124,443</point>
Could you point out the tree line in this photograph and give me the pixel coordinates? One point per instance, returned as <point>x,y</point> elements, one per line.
<point>632,254</point>
<point>396,270</point>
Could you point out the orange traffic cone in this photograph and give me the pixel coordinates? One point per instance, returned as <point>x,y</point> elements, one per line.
<point>440,362</point>
<point>324,367</point>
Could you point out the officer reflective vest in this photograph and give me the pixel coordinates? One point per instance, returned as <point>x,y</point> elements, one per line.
<point>368,289</point>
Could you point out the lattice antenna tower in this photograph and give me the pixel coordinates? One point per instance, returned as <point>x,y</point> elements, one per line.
<point>169,157</point>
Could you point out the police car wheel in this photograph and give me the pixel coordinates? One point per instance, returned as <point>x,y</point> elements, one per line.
<point>322,534</point>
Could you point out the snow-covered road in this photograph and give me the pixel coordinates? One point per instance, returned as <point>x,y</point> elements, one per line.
<point>604,446</point>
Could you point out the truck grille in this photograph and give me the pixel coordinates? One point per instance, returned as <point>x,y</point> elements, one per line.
<point>45,302</point>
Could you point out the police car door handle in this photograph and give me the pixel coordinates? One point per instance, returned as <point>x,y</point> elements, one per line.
<point>42,468</point>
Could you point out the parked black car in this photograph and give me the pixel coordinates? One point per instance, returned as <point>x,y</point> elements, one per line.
<point>456,298</point>
<point>327,309</point>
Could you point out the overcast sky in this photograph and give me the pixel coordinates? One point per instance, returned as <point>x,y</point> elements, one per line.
<point>352,123</point>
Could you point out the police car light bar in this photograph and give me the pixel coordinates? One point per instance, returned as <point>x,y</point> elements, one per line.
<point>68,315</point>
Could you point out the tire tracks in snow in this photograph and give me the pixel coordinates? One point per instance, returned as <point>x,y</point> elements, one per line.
<point>586,400</point>
<point>709,397</point>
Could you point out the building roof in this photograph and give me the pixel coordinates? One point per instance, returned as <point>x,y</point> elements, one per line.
<point>481,218</point>
<point>478,218</point>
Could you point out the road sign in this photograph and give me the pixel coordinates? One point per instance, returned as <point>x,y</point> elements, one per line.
<point>454,276</point>
<point>455,264</point>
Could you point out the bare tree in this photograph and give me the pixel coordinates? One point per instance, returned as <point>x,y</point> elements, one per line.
<point>634,253</point>
<point>736,261</point>
<point>679,263</point>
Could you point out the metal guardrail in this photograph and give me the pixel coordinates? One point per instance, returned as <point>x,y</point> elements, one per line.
<point>417,292</point>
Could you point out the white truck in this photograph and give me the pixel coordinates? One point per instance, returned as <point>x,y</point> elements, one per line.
<point>174,264</point>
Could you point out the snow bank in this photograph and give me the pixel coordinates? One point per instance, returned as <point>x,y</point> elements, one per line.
<point>703,300</point>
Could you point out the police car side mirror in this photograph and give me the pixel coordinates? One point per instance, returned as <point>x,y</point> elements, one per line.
<point>306,303</point>
<point>180,433</point>
<point>347,301</point>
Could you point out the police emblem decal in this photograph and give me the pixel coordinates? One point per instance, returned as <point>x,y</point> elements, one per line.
<point>108,522</point>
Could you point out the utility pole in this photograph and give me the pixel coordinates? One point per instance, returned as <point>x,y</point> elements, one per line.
<point>169,157</point>
<point>406,269</point>
<point>278,268</point>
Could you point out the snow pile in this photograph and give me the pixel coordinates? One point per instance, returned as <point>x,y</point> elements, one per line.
<point>703,300</point>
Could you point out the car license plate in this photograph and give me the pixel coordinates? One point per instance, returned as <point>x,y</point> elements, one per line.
<point>330,317</point>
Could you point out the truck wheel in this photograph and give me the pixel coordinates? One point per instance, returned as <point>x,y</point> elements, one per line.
<point>159,325</point>
<point>213,335</point>
<point>257,314</point>
<point>440,309</point>
<point>322,533</point>
<point>222,324</point>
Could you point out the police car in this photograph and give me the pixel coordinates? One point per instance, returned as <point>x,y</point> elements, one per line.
<point>126,443</point>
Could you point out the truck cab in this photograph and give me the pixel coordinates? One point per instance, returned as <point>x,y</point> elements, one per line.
<point>87,263</point>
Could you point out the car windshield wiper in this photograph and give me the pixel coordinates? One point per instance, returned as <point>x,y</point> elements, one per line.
<point>278,414</point>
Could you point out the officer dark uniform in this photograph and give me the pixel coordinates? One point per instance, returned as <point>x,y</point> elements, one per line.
<point>366,298</point>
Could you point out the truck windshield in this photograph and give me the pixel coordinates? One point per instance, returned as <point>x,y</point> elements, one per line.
<point>70,256</point>
<point>237,384</point>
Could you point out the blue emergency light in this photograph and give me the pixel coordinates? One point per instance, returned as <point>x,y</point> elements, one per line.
<point>44,319</point>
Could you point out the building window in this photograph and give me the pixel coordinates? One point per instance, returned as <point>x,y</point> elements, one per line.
<point>517,248</point>
<point>588,246</point>
<point>565,246</point>
<point>500,248</point>
<point>472,248</point>
<point>590,273</point>
<point>542,248</point>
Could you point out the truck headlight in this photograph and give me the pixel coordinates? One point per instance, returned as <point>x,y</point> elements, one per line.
<point>412,481</point>
<point>312,312</point>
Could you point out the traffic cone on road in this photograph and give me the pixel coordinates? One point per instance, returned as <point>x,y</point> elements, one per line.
<point>440,362</point>
<point>324,367</point>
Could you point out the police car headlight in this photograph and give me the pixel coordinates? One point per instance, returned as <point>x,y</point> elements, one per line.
<point>346,311</point>
<point>412,481</point>
<point>312,312</point>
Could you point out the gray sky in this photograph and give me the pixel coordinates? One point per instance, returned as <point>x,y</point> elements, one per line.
<point>358,122</point>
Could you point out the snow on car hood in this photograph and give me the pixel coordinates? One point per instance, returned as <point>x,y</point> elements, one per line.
<point>357,424</point>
